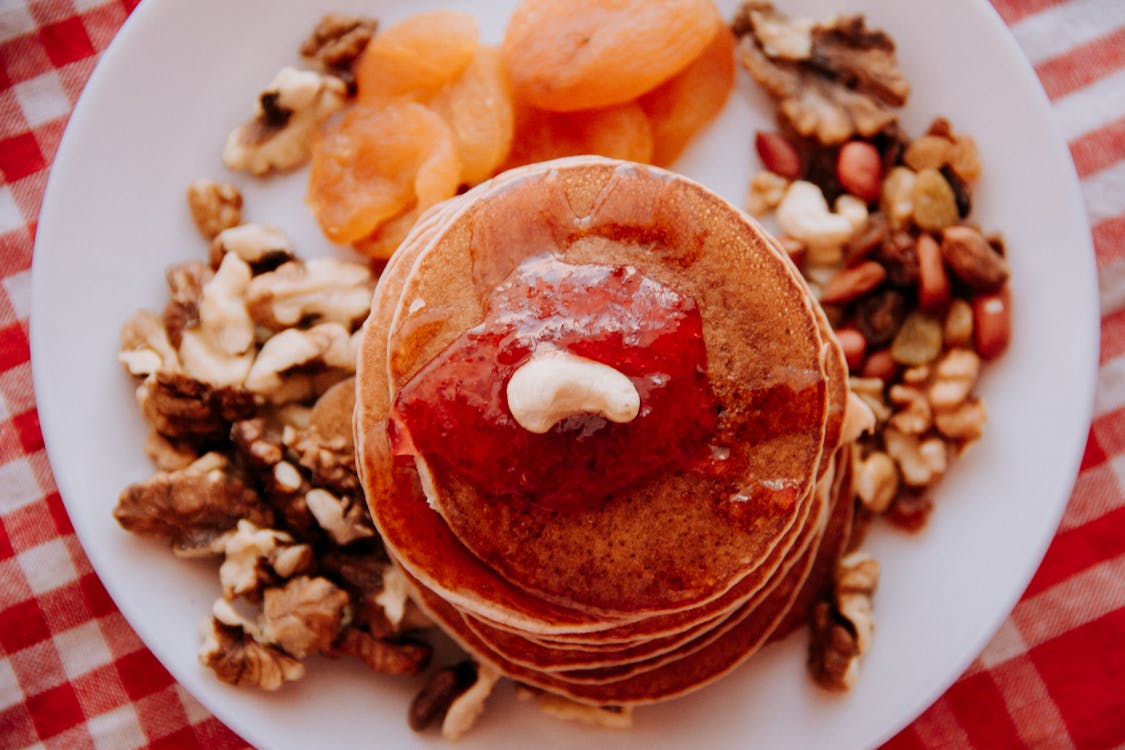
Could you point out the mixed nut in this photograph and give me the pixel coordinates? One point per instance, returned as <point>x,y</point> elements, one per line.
<point>879,225</point>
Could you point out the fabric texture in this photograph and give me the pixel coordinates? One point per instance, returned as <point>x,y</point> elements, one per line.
<point>73,674</point>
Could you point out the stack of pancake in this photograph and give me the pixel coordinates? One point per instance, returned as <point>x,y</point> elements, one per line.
<point>672,581</point>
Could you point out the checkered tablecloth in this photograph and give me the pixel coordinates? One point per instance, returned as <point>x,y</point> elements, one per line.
<point>74,675</point>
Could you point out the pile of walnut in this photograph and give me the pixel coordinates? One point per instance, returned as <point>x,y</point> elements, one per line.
<point>245,382</point>
<point>879,225</point>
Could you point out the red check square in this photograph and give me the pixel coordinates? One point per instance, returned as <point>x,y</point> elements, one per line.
<point>27,426</point>
<point>20,156</point>
<point>22,625</point>
<point>142,674</point>
<point>56,710</point>
<point>66,42</point>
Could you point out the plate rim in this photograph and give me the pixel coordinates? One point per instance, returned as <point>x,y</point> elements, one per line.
<point>51,422</point>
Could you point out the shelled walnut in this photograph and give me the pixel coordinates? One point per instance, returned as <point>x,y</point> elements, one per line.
<point>230,650</point>
<point>305,616</point>
<point>246,382</point>
<point>192,506</point>
<point>844,626</point>
<point>215,206</point>
<point>338,40</point>
<point>455,696</point>
<point>832,79</point>
<point>397,656</point>
<point>280,134</point>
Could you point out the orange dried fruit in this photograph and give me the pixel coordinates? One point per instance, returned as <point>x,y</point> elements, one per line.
<point>585,54</point>
<point>383,242</point>
<point>478,106</point>
<point>621,132</point>
<point>686,102</point>
<point>417,56</point>
<point>374,163</point>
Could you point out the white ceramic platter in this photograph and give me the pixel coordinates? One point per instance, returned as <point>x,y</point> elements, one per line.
<point>155,115</point>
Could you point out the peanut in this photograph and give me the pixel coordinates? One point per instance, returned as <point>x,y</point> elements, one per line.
<point>992,323</point>
<point>958,324</point>
<point>934,289</point>
<point>854,346</point>
<point>880,364</point>
<point>897,198</point>
<point>778,155</point>
<point>859,170</point>
<point>853,283</point>
<point>876,481</point>
<point>965,159</point>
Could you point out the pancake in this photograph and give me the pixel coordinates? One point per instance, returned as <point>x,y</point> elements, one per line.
<point>738,638</point>
<point>789,577</point>
<point>679,538</point>
<point>683,574</point>
<point>551,658</point>
<point>424,525</point>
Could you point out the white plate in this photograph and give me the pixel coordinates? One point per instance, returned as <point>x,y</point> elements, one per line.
<point>154,116</point>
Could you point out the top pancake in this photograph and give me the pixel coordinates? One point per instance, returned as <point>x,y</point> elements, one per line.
<point>679,538</point>
<point>416,536</point>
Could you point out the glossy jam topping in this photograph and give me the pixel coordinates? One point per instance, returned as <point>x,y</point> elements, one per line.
<point>454,411</point>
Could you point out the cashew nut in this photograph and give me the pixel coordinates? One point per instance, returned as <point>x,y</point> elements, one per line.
<point>853,209</point>
<point>858,419</point>
<point>803,213</point>
<point>554,385</point>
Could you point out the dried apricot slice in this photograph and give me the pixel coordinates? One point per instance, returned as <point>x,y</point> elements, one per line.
<point>417,56</point>
<point>682,105</point>
<point>621,132</point>
<point>383,242</point>
<point>583,54</point>
<point>478,106</point>
<point>374,163</point>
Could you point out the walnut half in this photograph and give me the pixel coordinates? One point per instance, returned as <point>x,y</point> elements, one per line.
<point>214,206</point>
<point>281,132</point>
<point>338,40</point>
<point>191,506</point>
<point>232,652</point>
<point>832,79</point>
<point>842,628</point>
<point>305,616</point>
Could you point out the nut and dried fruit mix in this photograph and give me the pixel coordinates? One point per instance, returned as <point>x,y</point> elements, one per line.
<point>245,378</point>
<point>880,224</point>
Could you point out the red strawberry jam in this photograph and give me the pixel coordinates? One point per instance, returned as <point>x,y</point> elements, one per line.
<point>454,411</point>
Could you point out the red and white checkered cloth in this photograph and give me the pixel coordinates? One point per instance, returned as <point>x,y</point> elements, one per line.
<point>74,675</point>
